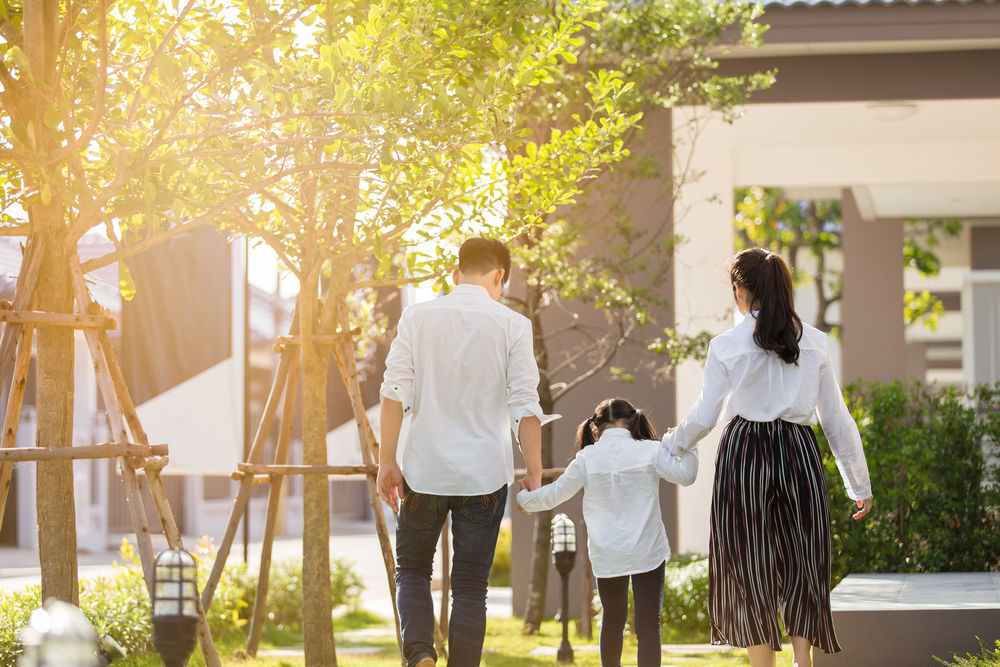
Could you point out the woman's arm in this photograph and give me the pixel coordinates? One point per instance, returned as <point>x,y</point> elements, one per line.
<point>842,434</point>
<point>705,413</point>
<point>682,469</point>
<point>556,493</point>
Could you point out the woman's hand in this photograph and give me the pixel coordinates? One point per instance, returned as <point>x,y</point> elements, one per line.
<point>866,507</point>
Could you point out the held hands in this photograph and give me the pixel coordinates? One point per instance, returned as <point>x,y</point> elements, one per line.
<point>866,506</point>
<point>529,483</point>
<point>390,478</point>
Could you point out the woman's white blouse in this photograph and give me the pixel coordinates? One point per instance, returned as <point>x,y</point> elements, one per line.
<point>621,499</point>
<point>762,388</point>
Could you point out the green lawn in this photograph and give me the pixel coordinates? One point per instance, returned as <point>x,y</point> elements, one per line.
<point>505,646</point>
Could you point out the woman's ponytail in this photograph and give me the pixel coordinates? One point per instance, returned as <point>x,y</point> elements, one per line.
<point>609,412</point>
<point>770,292</point>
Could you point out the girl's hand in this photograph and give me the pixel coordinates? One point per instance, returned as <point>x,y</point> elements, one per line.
<point>866,506</point>
<point>523,485</point>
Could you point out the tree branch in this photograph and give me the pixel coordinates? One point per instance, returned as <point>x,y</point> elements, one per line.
<point>11,34</point>
<point>102,84</point>
<point>394,282</point>
<point>135,249</point>
<point>133,108</point>
<point>270,239</point>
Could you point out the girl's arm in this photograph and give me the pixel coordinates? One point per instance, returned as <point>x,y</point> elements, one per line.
<point>842,434</point>
<point>705,413</point>
<point>556,493</point>
<point>680,469</point>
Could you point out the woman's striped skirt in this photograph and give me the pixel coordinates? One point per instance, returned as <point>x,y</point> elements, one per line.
<point>770,539</point>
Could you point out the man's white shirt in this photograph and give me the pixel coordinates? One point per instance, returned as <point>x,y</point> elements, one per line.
<point>464,366</point>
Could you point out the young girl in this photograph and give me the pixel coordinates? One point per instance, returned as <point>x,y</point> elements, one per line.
<point>620,473</point>
<point>769,544</point>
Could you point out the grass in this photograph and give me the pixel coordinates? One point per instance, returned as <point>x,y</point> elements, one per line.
<point>504,646</point>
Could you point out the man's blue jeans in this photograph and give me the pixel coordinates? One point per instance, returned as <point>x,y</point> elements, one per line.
<point>475,525</point>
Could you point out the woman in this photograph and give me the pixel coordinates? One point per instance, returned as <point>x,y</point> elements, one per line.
<point>770,534</point>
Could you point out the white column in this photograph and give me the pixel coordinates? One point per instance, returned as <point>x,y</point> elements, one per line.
<point>702,301</point>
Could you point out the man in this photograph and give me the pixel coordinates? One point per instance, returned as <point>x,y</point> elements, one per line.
<point>464,366</point>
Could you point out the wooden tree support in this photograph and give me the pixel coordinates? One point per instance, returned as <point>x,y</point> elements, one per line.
<point>94,320</point>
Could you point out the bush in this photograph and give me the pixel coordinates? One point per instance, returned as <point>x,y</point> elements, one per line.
<point>935,479</point>
<point>284,590</point>
<point>988,657</point>
<point>684,616</point>
<point>118,606</point>
<point>500,571</point>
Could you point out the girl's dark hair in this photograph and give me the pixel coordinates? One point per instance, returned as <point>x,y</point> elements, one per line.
<point>610,411</point>
<point>768,283</point>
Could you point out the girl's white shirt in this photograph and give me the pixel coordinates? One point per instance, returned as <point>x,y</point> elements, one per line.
<point>762,388</point>
<point>621,499</point>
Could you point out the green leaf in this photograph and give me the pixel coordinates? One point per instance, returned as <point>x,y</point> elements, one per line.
<point>20,59</point>
<point>52,118</point>
<point>125,282</point>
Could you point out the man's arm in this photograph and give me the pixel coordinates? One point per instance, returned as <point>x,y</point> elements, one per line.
<point>389,475</point>
<point>529,434</point>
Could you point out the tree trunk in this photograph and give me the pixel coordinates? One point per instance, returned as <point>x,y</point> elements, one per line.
<point>54,479</point>
<point>542,537</point>
<point>317,608</point>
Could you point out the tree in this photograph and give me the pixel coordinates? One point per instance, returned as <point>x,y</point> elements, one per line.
<point>402,111</point>
<point>767,219</point>
<point>105,124</point>
<point>593,252</point>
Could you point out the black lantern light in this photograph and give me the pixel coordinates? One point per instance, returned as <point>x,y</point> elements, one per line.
<point>564,556</point>
<point>175,606</point>
<point>58,635</point>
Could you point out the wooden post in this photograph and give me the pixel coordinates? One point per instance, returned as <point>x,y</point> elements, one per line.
<point>13,416</point>
<point>23,292</point>
<point>273,503</point>
<point>119,433</point>
<point>157,491</point>
<point>246,484</point>
<point>445,576</point>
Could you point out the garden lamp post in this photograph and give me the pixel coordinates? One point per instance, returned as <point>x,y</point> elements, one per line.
<point>175,606</point>
<point>58,635</point>
<point>564,556</point>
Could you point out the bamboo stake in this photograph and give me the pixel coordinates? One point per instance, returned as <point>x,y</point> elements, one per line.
<point>153,465</point>
<point>257,468</point>
<point>273,502</point>
<point>75,320</point>
<point>23,292</point>
<point>256,452</point>
<point>257,479</point>
<point>318,339</point>
<point>13,416</point>
<point>110,450</point>
<point>548,473</point>
<point>119,434</point>
<point>344,355</point>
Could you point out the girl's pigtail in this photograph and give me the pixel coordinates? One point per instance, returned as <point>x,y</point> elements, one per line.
<point>585,434</point>
<point>641,428</point>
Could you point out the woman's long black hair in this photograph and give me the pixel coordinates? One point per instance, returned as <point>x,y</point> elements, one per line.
<point>610,411</point>
<point>768,283</point>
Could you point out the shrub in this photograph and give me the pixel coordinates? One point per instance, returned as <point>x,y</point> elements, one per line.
<point>932,458</point>
<point>500,571</point>
<point>988,657</point>
<point>284,590</point>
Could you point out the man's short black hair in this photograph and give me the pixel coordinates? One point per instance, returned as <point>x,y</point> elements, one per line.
<point>479,256</point>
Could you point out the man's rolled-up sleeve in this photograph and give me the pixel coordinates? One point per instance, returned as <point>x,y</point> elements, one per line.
<point>397,383</point>
<point>522,382</point>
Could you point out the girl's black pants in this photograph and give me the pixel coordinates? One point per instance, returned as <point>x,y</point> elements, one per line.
<point>647,592</point>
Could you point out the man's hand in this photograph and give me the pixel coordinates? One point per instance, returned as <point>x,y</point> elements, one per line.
<point>390,477</point>
<point>866,507</point>
<point>523,486</point>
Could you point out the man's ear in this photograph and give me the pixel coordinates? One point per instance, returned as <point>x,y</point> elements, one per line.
<point>454,276</point>
<point>500,276</point>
